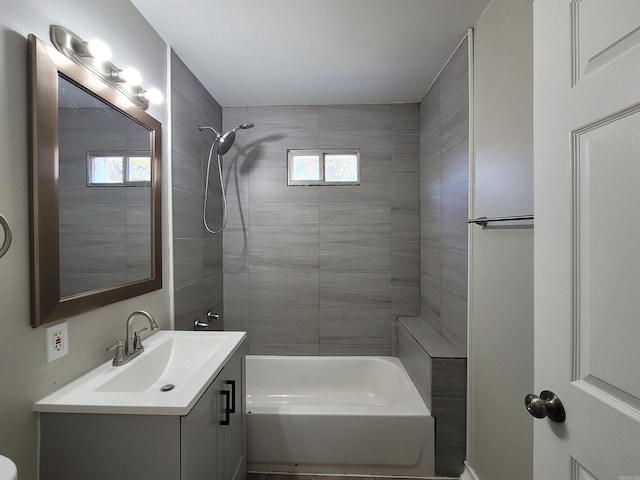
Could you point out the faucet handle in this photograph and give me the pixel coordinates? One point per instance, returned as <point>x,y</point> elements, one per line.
<point>119,348</point>
<point>137,341</point>
<point>115,345</point>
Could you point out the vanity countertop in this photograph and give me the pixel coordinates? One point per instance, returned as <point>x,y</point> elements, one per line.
<point>189,361</point>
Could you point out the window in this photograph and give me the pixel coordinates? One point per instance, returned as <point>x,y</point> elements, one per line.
<point>324,167</point>
<point>118,169</point>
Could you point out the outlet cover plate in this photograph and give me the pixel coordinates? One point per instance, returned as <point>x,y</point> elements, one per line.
<point>57,341</point>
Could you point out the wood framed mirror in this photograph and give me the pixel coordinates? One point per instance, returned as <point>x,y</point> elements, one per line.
<point>95,191</point>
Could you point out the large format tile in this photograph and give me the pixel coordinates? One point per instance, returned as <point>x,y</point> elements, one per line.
<point>234,116</point>
<point>237,319</point>
<point>212,261</point>
<point>405,254</point>
<point>405,221</point>
<point>430,215</point>
<point>454,152</point>
<point>405,291</point>
<point>454,208</point>
<point>405,141</point>
<point>188,305</point>
<point>430,300</point>
<point>450,461</point>
<point>417,363</point>
<point>187,260</point>
<point>279,290</point>
<point>355,219</point>
<point>450,414</point>
<point>284,253</point>
<point>454,84</point>
<point>355,290</point>
<point>405,163</point>
<point>405,188</point>
<point>405,116</point>
<point>213,296</point>
<point>187,215</point>
<point>449,377</point>
<point>236,290</point>
<point>271,119</point>
<point>355,327</point>
<point>235,253</point>
<point>430,260</point>
<point>285,325</point>
<point>368,254</point>
<point>283,219</point>
<point>454,264</point>
<point>342,118</point>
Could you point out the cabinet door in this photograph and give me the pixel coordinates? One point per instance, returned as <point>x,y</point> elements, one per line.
<point>233,434</point>
<point>202,446</point>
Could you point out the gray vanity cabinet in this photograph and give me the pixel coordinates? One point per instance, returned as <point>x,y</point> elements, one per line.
<point>213,434</point>
<point>153,447</point>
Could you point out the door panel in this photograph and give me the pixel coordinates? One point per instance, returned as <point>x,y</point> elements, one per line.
<point>587,236</point>
<point>602,31</point>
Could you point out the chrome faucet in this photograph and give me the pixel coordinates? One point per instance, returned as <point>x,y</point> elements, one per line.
<point>132,346</point>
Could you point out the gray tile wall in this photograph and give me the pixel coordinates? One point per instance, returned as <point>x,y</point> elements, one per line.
<point>440,374</point>
<point>197,255</point>
<point>444,186</point>
<point>322,270</point>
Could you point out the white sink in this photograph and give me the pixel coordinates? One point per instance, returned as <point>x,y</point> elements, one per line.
<point>189,361</point>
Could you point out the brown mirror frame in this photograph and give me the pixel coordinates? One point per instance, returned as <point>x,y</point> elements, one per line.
<point>45,66</point>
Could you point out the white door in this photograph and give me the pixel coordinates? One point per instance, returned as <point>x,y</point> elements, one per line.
<point>587,237</point>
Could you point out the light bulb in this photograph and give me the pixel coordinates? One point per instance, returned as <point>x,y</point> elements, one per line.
<point>98,50</point>
<point>154,96</point>
<point>131,76</point>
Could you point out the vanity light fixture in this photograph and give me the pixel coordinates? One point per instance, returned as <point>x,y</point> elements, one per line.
<point>94,49</point>
<point>128,75</point>
<point>95,56</point>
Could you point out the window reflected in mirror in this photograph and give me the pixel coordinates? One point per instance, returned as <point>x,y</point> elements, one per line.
<point>105,194</point>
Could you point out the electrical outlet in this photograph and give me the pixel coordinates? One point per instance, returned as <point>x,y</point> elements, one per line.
<point>57,341</point>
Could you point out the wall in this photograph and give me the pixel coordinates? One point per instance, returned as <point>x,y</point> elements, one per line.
<point>24,373</point>
<point>322,270</point>
<point>197,254</point>
<point>444,186</point>
<point>501,315</point>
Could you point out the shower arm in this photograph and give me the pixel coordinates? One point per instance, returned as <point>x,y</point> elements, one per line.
<point>218,134</point>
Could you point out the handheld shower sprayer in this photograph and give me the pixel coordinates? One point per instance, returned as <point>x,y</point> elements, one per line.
<point>225,142</point>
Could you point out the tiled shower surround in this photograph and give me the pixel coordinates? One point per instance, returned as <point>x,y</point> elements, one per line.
<point>322,269</point>
<point>444,187</point>
<point>197,255</point>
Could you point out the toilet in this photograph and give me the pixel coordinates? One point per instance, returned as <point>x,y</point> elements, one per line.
<point>8,470</point>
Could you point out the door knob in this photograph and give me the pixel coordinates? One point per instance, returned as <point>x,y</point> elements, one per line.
<point>546,405</point>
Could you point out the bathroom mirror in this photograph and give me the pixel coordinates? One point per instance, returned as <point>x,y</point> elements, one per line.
<point>95,191</point>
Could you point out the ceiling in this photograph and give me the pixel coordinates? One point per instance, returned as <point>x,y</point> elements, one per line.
<point>303,52</point>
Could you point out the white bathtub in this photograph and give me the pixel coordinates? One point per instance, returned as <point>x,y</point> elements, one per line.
<point>333,415</point>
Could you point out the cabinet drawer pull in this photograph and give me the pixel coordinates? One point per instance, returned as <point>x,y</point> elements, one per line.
<point>233,395</point>
<point>227,407</point>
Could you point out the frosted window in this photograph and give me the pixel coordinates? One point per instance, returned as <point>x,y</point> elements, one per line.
<point>305,167</point>
<point>139,169</point>
<point>106,170</point>
<point>340,168</point>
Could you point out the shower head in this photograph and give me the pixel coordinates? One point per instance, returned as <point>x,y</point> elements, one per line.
<point>225,141</point>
